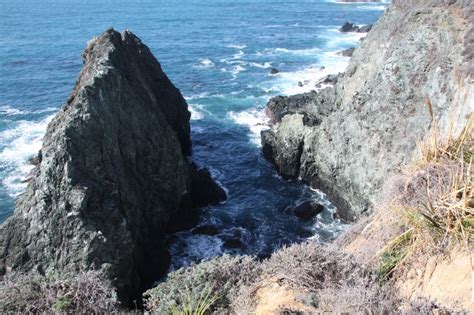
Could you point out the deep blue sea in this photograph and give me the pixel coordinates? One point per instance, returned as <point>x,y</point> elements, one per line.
<point>219,54</point>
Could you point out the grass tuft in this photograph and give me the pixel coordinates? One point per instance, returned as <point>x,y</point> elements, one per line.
<point>393,254</point>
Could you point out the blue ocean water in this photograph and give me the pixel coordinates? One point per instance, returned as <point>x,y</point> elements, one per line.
<point>219,54</point>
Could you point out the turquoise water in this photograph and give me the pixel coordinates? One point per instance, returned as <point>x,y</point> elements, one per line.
<point>220,54</point>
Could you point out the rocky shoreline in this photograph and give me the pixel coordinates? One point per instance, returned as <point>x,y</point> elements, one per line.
<point>113,175</point>
<point>349,139</point>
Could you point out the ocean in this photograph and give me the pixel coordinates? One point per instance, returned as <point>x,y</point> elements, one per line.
<point>220,55</point>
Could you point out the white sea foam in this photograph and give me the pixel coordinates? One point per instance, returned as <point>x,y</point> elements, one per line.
<point>305,79</point>
<point>237,69</point>
<point>264,65</point>
<point>372,7</point>
<point>237,46</point>
<point>7,110</point>
<point>196,114</point>
<point>234,70</point>
<point>205,63</point>
<point>338,40</point>
<point>299,52</point>
<point>22,143</point>
<point>196,96</point>
<point>256,120</point>
<point>238,55</point>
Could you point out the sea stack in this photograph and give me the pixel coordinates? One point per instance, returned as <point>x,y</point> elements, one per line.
<point>114,169</point>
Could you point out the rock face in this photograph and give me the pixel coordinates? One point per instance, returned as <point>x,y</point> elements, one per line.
<point>347,52</point>
<point>348,27</point>
<point>113,170</point>
<point>308,210</point>
<point>348,139</point>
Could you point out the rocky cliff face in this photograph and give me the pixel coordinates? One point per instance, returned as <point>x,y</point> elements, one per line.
<point>114,168</point>
<point>346,140</point>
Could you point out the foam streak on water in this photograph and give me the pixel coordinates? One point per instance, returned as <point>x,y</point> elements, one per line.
<point>22,142</point>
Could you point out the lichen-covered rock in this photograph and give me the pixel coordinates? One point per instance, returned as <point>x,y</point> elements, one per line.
<point>414,58</point>
<point>113,169</point>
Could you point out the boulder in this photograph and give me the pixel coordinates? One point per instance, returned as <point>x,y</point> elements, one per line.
<point>232,243</point>
<point>36,160</point>
<point>348,27</point>
<point>365,28</point>
<point>274,71</point>
<point>347,52</point>
<point>308,210</point>
<point>329,79</point>
<point>206,230</point>
<point>114,169</point>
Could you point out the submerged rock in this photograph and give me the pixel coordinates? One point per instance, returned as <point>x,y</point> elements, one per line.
<point>308,210</point>
<point>233,243</point>
<point>348,27</point>
<point>274,71</point>
<point>113,171</point>
<point>206,230</point>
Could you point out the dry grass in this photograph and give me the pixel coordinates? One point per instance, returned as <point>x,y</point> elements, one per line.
<point>332,280</point>
<point>83,293</point>
<point>438,195</point>
<point>434,197</point>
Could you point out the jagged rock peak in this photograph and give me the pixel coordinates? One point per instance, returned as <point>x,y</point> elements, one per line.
<point>126,52</point>
<point>111,174</point>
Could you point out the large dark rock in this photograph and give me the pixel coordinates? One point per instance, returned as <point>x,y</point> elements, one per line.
<point>348,27</point>
<point>113,171</point>
<point>206,230</point>
<point>308,210</point>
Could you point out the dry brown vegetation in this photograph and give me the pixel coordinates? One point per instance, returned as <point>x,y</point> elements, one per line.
<point>329,280</point>
<point>435,202</point>
<point>85,292</point>
<point>436,197</point>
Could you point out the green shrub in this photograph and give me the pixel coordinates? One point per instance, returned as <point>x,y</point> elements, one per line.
<point>206,286</point>
<point>393,254</point>
<point>62,304</point>
<point>84,292</point>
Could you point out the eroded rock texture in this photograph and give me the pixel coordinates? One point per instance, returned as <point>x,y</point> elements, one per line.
<point>348,139</point>
<point>113,170</point>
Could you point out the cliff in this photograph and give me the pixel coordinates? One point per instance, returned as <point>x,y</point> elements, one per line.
<point>413,71</point>
<point>113,170</point>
